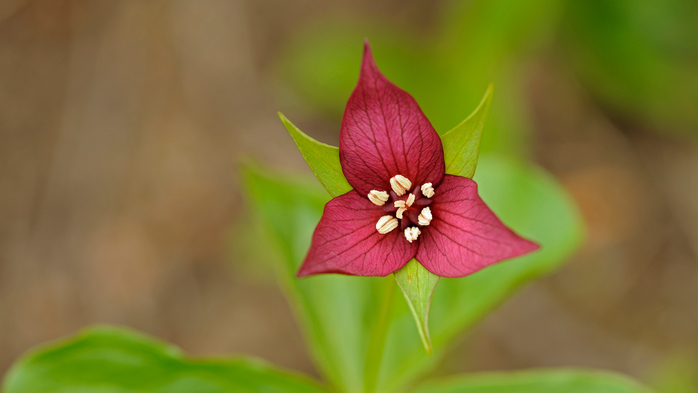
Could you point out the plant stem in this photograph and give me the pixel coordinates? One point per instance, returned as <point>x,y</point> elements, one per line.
<point>374,357</point>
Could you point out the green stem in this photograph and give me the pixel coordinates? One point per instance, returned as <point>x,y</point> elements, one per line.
<point>374,357</point>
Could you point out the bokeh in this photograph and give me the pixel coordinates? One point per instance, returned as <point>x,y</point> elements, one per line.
<point>123,124</point>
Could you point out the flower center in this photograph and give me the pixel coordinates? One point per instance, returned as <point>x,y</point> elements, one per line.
<point>407,208</point>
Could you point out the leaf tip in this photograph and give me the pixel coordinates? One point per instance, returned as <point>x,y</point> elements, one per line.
<point>487,98</point>
<point>284,120</point>
<point>291,128</point>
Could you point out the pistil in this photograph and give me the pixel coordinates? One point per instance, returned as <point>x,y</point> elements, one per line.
<point>410,200</point>
<point>400,212</point>
<point>411,210</point>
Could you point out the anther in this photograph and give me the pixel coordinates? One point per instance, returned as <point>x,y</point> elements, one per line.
<point>412,233</point>
<point>424,217</point>
<point>400,184</point>
<point>386,224</point>
<point>378,197</point>
<point>427,190</point>
<point>399,204</point>
<point>399,212</point>
<point>410,200</point>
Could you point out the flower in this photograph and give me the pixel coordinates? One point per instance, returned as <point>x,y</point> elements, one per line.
<point>403,205</point>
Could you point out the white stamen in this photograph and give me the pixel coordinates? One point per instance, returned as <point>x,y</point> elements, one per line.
<point>412,233</point>
<point>410,200</point>
<point>399,204</point>
<point>378,197</point>
<point>427,190</point>
<point>399,212</point>
<point>386,224</point>
<point>424,217</point>
<point>400,184</point>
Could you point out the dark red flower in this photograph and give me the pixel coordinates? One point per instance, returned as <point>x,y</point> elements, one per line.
<point>403,205</point>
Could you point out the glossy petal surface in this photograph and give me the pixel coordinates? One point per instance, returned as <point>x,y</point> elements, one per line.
<point>465,235</point>
<point>346,241</point>
<point>384,133</point>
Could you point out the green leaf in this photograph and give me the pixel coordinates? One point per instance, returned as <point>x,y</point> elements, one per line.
<point>462,144</point>
<point>337,313</point>
<point>536,381</point>
<point>322,159</point>
<point>418,285</point>
<point>379,333</point>
<point>117,360</point>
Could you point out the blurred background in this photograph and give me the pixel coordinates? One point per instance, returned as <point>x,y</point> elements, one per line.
<point>122,124</point>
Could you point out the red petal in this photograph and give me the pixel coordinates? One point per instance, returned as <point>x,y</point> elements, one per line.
<point>384,133</point>
<point>346,241</point>
<point>464,235</point>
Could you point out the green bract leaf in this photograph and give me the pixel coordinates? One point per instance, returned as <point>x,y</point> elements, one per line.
<point>322,159</point>
<point>417,285</point>
<point>117,360</point>
<point>462,144</point>
<point>538,381</point>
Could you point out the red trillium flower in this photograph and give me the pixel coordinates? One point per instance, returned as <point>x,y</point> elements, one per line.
<point>403,205</point>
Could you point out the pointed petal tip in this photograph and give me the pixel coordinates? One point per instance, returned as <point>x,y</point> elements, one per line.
<point>302,274</point>
<point>302,270</point>
<point>532,246</point>
<point>368,53</point>
<point>367,61</point>
<point>308,269</point>
<point>525,247</point>
<point>367,48</point>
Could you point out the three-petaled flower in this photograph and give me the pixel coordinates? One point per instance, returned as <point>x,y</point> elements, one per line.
<point>403,205</point>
